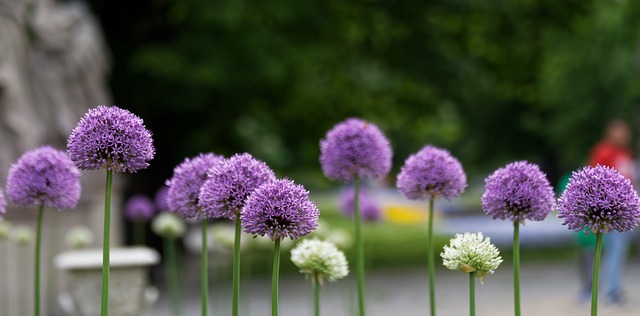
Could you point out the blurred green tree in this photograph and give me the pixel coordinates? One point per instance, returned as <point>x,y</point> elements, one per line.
<point>493,81</point>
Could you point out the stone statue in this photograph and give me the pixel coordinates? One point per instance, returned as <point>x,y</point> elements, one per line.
<point>19,128</point>
<point>53,67</point>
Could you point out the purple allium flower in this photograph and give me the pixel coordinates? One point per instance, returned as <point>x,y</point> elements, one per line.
<point>139,207</point>
<point>519,191</point>
<point>369,207</point>
<point>601,199</point>
<point>111,138</point>
<point>280,209</point>
<point>161,198</point>
<point>44,176</point>
<point>355,148</point>
<point>230,183</point>
<point>430,173</point>
<point>184,186</point>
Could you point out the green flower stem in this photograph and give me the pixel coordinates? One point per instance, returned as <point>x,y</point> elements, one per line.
<point>139,227</point>
<point>236,266</point>
<point>431,261</point>
<point>36,272</point>
<point>472,293</point>
<point>359,246</point>
<point>204,268</point>
<point>274,278</point>
<point>171,273</point>
<point>516,267</point>
<point>596,270</point>
<point>4,282</point>
<point>104,304</point>
<point>54,248</point>
<point>23,275</point>
<point>316,294</point>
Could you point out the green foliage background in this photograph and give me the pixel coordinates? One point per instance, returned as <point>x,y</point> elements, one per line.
<point>493,81</point>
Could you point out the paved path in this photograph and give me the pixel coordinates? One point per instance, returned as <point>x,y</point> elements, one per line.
<point>547,289</point>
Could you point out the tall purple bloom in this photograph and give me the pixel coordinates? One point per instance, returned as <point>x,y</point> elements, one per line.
<point>355,148</point>
<point>519,191</point>
<point>184,186</point>
<point>160,198</point>
<point>432,172</point>
<point>44,177</point>
<point>139,207</point>
<point>229,184</point>
<point>369,207</point>
<point>601,199</point>
<point>111,138</point>
<point>280,209</point>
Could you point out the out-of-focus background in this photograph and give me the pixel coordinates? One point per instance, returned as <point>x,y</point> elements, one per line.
<point>492,81</point>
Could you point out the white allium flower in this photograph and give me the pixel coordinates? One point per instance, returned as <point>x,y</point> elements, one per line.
<point>221,236</point>
<point>471,253</point>
<point>168,225</point>
<point>313,256</point>
<point>22,235</point>
<point>5,230</point>
<point>79,237</point>
<point>341,238</point>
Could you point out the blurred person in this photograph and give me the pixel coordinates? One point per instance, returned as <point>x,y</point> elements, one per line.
<point>586,243</point>
<point>614,151</point>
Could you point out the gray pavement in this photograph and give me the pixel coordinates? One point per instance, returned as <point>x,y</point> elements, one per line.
<point>548,288</point>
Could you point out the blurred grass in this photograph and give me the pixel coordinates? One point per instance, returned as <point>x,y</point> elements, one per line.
<point>388,245</point>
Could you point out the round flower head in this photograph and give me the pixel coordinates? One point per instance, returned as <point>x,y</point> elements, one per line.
<point>430,173</point>
<point>111,138</point>
<point>78,237</point>
<point>160,198</point>
<point>369,207</point>
<point>519,191</point>
<point>323,258</point>
<point>341,238</point>
<point>139,207</point>
<point>168,225</point>
<point>600,199</point>
<point>5,230</point>
<point>355,148</point>
<point>22,235</point>
<point>471,253</point>
<point>229,184</point>
<point>280,209</point>
<point>44,176</point>
<point>184,186</point>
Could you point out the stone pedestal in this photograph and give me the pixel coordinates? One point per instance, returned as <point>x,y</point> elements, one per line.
<point>130,294</point>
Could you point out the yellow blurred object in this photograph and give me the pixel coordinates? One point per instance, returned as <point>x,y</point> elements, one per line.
<point>406,214</point>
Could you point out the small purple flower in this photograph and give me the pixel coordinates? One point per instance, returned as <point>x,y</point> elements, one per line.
<point>280,209</point>
<point>355,148</point>
<point>230,183</point>
<point>430,173</point>
<point>184,186</point>
<point>44,176</point>
<point>519,191</point>
<point>139,207</point>
<point>369,207</point>
<point>600,199</point>
<point>161,198</point>
<point>110,138</point>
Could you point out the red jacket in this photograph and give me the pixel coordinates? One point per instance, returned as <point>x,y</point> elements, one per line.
<point>619,158</point>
